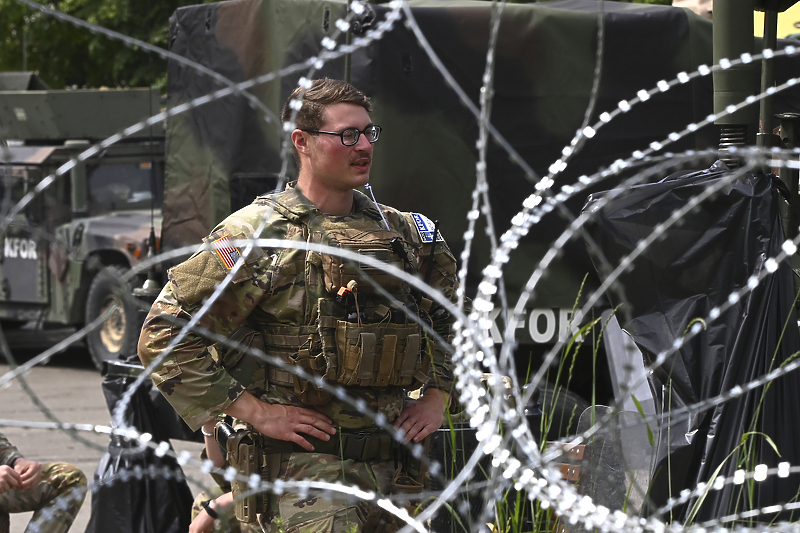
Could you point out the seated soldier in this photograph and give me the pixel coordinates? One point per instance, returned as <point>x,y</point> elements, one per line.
<point>53,491</point>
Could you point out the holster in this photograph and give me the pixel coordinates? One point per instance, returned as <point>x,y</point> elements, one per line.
<point>245,456</point>
<point>412,476</point>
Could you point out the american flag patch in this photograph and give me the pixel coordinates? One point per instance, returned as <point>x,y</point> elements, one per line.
<point>226,251</point>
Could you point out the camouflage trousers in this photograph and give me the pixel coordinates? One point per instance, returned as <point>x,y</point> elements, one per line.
<point>55,501</point>
<point>227,521</point>
<point>331,511</point>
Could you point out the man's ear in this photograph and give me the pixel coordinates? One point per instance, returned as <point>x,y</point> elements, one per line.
<point>300,141</point>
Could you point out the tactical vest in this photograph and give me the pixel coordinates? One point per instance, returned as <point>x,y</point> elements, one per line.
<point>357,338</point>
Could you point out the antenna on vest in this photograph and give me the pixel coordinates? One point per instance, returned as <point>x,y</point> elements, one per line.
<point>433,251</point>
<point>377,206</point>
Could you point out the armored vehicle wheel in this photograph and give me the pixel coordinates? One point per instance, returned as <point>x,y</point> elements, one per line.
<point>119,333</point>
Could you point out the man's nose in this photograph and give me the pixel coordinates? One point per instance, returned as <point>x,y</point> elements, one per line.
<point>363,142</point>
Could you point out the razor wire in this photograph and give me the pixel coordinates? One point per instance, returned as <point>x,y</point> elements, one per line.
<point>525,468</point>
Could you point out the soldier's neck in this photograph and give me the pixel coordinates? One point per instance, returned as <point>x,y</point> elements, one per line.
<point>328,201</point>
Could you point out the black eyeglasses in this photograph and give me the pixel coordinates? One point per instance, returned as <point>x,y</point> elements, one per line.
<point>350,136</point>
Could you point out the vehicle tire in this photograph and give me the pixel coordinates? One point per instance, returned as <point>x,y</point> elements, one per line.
<point>118,335</point>
<point>561,410</point>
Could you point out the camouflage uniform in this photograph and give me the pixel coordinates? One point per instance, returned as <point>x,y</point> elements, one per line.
<point>282,293</point>
<point>55,500</point>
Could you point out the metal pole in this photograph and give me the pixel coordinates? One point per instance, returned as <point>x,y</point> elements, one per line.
<point>768,74</point>
<point>733,36</point>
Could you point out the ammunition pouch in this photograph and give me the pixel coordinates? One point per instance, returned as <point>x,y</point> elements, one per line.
<point>380,354</point>
<point>366,355</point>
<point>371,354</point>
<point>313,362</point>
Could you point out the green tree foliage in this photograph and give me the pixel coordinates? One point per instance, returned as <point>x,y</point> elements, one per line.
<point>65,56</point>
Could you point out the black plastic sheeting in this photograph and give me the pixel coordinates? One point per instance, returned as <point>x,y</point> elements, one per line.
<point>691,270</point>
<point>134,490</point>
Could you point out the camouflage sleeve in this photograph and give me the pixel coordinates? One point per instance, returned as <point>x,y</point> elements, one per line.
<point>8,452</point>
<point>443,277</point>
<point>442,269</point>
<point>188,376</point>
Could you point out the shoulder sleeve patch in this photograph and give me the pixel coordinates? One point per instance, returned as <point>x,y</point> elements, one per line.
<point>425,228</point>
<point>196,278</point>
<point>228,249</point>
<point>222,246</point>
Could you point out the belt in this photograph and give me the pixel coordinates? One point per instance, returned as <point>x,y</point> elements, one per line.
<point>375,445</point>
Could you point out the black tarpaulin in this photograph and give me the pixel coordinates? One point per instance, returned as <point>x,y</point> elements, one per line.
<point>134,490</point>
<point>692,269</point>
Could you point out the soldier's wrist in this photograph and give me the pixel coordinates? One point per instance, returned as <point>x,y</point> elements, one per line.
<point>209,509</point>
<point>13,460</point>
<point>445,395</point>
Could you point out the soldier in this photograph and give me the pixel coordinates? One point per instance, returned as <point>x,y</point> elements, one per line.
<point>320,313</point>
<point>53,491</point>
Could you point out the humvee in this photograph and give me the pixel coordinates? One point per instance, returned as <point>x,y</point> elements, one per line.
<point>63,255</point>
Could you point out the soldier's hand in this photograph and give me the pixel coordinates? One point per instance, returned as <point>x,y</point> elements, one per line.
<point>204,523</point>
<point>30,473</point>
<point>9,478</point>
<point>422,417</point>
<point>287,422</point>
<point>282,422</point>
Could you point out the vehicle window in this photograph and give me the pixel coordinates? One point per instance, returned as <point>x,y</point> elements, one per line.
<point>57,202</point>
<point>13,186</point>
<point>124,186</point>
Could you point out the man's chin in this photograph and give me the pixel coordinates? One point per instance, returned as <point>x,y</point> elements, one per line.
<point>361,179</point>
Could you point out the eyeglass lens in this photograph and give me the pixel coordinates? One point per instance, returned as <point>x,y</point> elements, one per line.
<point>350,135</point>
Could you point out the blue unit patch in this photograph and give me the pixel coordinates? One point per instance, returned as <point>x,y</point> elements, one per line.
<point>425,228</point>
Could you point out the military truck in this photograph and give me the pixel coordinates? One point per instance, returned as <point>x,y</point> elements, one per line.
<point>63,256</point>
